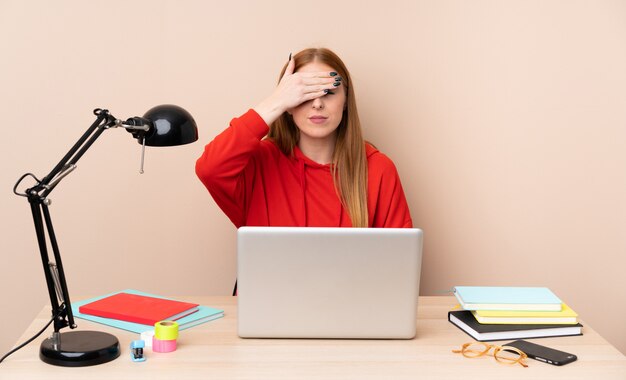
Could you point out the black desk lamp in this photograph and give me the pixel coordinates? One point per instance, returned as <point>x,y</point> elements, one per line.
<point>165,125</point>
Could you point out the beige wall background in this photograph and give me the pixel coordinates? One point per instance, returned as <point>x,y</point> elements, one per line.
<point>506,120</point>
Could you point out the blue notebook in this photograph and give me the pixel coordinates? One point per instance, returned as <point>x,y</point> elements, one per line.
<point>204,314</point>
<point>507,298</point>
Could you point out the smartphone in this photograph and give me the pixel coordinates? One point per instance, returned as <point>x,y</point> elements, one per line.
<point>543,353</point>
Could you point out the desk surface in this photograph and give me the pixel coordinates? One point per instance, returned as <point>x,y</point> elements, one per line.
<point>213,350</point>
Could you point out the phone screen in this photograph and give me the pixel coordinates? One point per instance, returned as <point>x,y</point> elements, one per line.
<point>543,353</point>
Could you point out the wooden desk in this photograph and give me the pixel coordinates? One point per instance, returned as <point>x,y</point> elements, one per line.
<point>213,351</point>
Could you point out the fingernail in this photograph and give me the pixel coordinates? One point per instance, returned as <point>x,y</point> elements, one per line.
<point>332,73</point>
<point>338,79</point>
<point>290,56</point>
<point>326,91</point>
<point>337,84</point>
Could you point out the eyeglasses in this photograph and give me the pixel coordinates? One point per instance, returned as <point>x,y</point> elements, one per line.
<point>503,354</point>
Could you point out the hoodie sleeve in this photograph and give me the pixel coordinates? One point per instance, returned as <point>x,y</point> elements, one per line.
<point>226,168</point>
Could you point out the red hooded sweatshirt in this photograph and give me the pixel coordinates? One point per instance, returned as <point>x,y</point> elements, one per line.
<point>255,184</point>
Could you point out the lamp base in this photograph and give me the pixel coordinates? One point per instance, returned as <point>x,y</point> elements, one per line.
<point>80,349</point>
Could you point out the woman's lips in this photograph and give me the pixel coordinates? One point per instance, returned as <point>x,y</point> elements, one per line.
<point>317,119</point>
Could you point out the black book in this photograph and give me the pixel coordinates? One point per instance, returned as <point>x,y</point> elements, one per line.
<point>464,320</point>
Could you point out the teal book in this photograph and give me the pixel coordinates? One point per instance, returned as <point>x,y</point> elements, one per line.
<point>204,314</point>
<point>507,298</point>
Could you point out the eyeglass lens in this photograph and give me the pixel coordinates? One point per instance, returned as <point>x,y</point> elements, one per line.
<point>476,349</point>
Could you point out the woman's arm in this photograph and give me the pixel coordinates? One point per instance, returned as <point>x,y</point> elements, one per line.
<point>226,168</point>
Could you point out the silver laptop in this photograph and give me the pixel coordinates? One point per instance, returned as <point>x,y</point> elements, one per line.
<point>314,282</point>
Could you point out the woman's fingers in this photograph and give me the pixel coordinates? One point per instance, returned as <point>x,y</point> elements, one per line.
<point>318,82</point>
<point>313,95</point>
<point>318,88</point>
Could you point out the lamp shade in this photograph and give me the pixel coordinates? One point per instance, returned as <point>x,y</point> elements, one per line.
<point>170,125</point>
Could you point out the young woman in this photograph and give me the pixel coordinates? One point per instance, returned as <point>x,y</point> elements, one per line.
<point>299,159</point>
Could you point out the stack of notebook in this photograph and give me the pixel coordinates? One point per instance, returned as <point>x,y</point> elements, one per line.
<point>137,311</point>
<point>499,313</point>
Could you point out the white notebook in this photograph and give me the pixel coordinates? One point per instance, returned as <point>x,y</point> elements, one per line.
<point>328,282</point>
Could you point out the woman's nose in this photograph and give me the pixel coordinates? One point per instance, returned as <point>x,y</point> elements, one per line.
<point>318,103</point>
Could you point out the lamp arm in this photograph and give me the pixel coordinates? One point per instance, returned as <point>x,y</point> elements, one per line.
<point>102,115</point>
<point>55,276</point>
<point>37,197</point>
